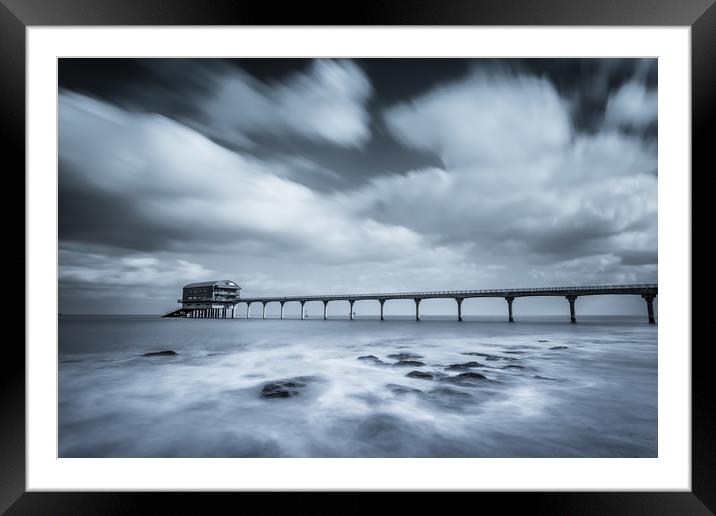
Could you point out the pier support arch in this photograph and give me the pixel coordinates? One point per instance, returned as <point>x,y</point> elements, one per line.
<point>382,302</point>
<point>459,301</point>
<point>325,310</point>
<point>417,309</point>
<point>350,310</point>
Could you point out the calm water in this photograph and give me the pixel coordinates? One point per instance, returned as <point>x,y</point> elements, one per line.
<point>550,389</point>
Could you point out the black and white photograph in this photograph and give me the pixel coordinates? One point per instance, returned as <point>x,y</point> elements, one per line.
<point>357,257</point>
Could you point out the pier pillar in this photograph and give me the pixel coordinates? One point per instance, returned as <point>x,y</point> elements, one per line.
<point>350,311</point>
<point>263,311</point>
<point>417,309</point>
<point>248,310</point>
<point>302,303</point>
<point>282,303</point>
<point>223,313</point>
<point>325,310</point>
<point>649,298</point>
<point>458,300</point>
<point>509,300</point>
<point>382,302</point>
<point>572,315</point>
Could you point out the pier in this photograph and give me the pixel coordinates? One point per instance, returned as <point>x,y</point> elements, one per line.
<point>215,299</point>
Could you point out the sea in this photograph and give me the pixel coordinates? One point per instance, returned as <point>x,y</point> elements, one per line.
<point>483,387</point>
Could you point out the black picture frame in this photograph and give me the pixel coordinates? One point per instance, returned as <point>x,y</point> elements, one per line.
<point>17,15</point>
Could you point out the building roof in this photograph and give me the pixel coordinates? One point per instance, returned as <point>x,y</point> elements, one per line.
<point>220,283</point>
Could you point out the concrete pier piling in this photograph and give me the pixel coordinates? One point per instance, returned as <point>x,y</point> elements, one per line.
<point>572,315</point>
<point>509,300</point>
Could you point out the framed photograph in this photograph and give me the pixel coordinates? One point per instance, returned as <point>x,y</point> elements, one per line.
<point>442,250</point>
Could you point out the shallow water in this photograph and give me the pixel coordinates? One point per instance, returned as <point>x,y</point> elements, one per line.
<point>593,396</point>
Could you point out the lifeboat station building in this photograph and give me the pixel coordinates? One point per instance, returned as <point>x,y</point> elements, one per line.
<point>207,299</point>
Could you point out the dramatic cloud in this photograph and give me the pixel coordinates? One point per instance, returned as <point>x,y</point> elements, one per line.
<point>633,105</point>
<point>180,189</point>
<point>498,184</point>
<point>325,104</point>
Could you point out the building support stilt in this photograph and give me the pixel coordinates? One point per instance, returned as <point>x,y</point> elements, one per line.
<point>248,310</point>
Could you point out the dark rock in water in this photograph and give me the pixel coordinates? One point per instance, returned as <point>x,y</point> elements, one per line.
<point>408,363</point>
<point>420,374</point>
<point>515,352</point>
<point>284,388</point>
<point>168,353</point>
<point>465,378</point>
<point>542,340</point>
<point>404,356</point>
<point>513,366</point>
<point>558,347</point>
<point>487,356</point>
<point>545,378</point>
<point>471,376</point>
<point>463,367</point>
<point>402,389</point>
<point>371,358</point>
<point>447,391</point>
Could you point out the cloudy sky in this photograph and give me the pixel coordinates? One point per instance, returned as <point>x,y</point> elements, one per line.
<point>293,176</point>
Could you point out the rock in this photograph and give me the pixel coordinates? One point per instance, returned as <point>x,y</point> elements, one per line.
<point>402,389</point>
<point>447,391</point>
<point>515,352</point>
<point>513,366</point>
<point>404,356</point>
<point>284,388</point>
<point>419,374</point>
<point>408,363</point>
<point>471,376</point>
<point>463,367</point>
<point>546,378</point>
<point>168,353</point>
<point>543,340</point>
<point>463,378</point>
<point>558,347</point>
<point>371,358</point>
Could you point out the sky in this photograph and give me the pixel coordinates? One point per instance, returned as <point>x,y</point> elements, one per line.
<point>312,176</point>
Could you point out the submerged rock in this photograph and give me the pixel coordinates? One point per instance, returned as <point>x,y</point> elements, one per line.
<point>167,353</point>
<point>285,388</point>
<point>402,389</point>
<point>513,366</point>
<point>404,356</point>
<point>543,340</point>
<point>558,347</point>
<point>408,363</point>
<point>420,374</point>
<point>463,367</point>
<point>487,356</point>
<point>546,378</point>
<point>448,391</point>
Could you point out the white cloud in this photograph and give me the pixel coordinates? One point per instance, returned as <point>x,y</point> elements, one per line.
<point>180,183</point>
<point>485,118</point>
<point>633,104</point>
<point>325,104</point>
